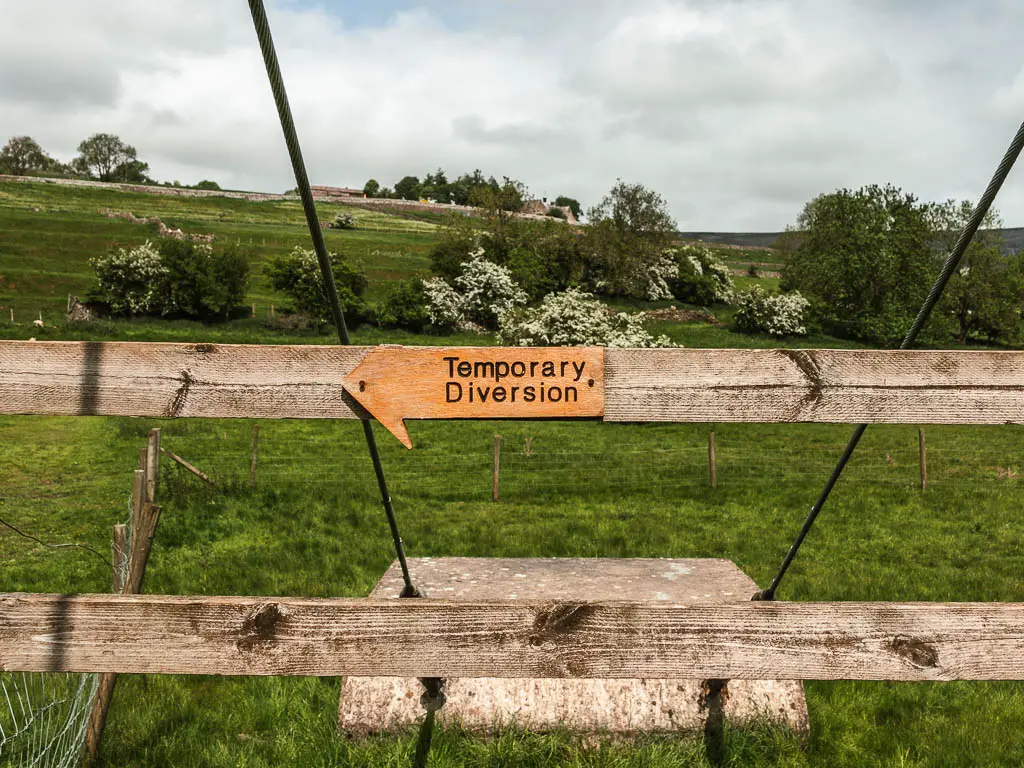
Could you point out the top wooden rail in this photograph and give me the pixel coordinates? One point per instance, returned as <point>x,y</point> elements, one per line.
<point>670,385</point>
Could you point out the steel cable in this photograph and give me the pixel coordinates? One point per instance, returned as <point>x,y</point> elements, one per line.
<point>952,262</point>
<point>259,19</point>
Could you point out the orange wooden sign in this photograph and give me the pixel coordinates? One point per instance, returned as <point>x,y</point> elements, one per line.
<point>397,383</point>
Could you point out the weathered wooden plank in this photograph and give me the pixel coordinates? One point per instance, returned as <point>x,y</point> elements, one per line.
<point>165,380</point>
<point>824,385</point>
<point>427,638</point>
<point>253,381</point>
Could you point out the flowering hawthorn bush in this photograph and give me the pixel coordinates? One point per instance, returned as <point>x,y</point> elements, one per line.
<point>575,318</point>
<point>774,314</point>
<point>482,293</point>
<point>700,277</point>
<point>129,279</point>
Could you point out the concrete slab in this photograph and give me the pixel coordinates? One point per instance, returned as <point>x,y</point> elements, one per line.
<point>375,704</point>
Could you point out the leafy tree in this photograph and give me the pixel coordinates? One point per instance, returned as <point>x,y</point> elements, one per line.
<point>200,281</point>
<point>572,203</point>
<point>207,184</point>
<point>630,230</point>
<point>435,186</point>
<point>555,213</point>
<point>865,259</point>
<point>132,172</point>
<point>22,155</point>
<point>985,297</point>
<point>104,154</point>
<point>408,188</point>
<point>404,307</point>
<point>371,188</point>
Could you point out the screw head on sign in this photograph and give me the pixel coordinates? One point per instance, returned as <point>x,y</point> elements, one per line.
<point>362,386</point>
<point>590,382</point>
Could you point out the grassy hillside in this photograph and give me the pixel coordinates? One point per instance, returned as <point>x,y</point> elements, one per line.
<point>313,524</point>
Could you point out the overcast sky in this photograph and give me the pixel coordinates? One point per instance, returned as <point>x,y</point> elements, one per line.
<point>737,112</point>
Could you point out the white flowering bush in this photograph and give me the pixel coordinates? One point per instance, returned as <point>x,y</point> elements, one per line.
<point>483,292</point>
<point>488,290</point>
<point>445,306</point>
<point>575,318</point>
<point>700,277</point>
<point>774,314</point>
<point>129,280</point>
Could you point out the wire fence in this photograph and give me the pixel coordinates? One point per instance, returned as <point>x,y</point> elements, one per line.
<point>534,465</point>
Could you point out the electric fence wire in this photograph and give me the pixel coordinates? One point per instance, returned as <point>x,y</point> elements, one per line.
<point>952,262</point>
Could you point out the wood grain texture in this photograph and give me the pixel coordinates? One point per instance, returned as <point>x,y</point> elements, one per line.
<point>845,386</point>
<point>167,380</point>
<point>427,638</point>
<point>685,385</point>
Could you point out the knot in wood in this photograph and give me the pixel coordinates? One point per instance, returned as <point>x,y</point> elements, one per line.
<point>559,620</point>
<point>917,652</point>
<point>259,628</point>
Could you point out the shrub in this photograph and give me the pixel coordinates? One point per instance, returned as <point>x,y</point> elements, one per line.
<point>456,243</point>
<point>201,282</point>
<point>555,213</point>
<point>297,275</point>
<point>700,277</point>
<point>487,290</point>
<point>482,292</point>
<point>444,305</point>
<point>405,307</point>
<point>774,314</point>
<point>575,318</point>
<point>129,281</point>
<point>178,278</point>
<point>207,184</point>
<point>343,221</point>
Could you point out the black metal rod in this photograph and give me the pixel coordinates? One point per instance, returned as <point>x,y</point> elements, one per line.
<point>948,269</point>
<point>291,138</point>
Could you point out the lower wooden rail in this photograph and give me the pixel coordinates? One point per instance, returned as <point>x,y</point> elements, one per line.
<point>428,638</point>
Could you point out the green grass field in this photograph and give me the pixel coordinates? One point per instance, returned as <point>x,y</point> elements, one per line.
<point>313,526</point>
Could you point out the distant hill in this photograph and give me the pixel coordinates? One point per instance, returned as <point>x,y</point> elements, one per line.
<point>1013,236</point>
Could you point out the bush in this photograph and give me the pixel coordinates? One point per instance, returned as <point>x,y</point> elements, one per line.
<point>343,221</point>
<point>297,275</point>
<point>405,307</point>
<point>483,291</point>
<point>575,318</point>
<point>774,314</point>
<point>129,281</point>
<point>700,277</point>
<point>455,245</point>
<point>555,213</point>
<point>207,184</point>
<point>201,282</point>
<point>178,278</point>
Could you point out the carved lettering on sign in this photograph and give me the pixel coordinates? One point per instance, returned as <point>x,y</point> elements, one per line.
<point>397,383</point>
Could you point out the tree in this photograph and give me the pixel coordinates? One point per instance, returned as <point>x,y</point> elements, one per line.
<point>22,155</point>
<point>630,230</point>
<point>984,298</point>
<point>408,188</point>
<point>105,154</point>
<point>435,186</point>
<point>572,204</point>
<point>371,188</point>
<point>132,172</point>
<point>207,184</point>
<point>865,259</point>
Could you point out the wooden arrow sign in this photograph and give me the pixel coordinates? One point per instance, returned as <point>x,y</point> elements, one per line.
<point>398,383</point>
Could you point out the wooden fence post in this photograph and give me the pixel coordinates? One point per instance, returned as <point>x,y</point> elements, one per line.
<point>712,470</point>
<point>924,458</point>
<point>497,467</point>
<point>255,451</point>
<point>152,464</point>
<point>105,688</point>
